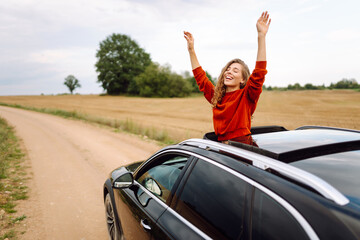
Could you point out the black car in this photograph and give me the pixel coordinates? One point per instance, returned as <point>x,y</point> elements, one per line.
<point>298,184</point>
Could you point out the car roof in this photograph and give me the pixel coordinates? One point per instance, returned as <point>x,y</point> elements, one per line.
<point>338,162</point>
<point>340,170</point>
<point>330,154</point>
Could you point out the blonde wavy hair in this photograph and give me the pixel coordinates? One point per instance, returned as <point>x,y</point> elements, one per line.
<point>220,88</point>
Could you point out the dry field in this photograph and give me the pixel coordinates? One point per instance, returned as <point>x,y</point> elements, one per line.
<point>191,117</point>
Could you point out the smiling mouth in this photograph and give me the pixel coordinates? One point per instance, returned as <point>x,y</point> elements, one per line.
<point>228,78</point>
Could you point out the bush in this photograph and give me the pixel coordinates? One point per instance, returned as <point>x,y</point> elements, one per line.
<point>159,81</point>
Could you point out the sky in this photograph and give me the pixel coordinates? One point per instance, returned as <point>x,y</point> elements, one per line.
<point>44,41</point>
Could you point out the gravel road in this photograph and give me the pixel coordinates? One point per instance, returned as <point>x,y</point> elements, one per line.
<point>70,161</point>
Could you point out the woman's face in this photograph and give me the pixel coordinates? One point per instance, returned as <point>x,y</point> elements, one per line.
<point>233,77</point>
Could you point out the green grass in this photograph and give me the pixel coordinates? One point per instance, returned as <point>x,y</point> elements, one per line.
<point>128,125</point>
<point>12,179</point>
<point>18,219</point>
<point>8,206</point>
<point>9,235</point>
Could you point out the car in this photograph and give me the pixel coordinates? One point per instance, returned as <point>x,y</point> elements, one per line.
<point>288,184</point>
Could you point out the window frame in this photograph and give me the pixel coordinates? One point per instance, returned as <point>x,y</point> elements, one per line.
<point>247,198</point>
<point>152,162</point>
<point>256,192</point>
<point>287,206</point>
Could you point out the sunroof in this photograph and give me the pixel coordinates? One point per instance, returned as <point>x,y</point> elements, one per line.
<point>290,146</point>
<point>280,142</point>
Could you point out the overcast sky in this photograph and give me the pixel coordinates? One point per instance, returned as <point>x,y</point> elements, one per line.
<point>44,41</point>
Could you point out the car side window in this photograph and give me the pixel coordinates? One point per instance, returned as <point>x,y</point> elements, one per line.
<point>161,177</point>
<point>213,200</point>
<point>270,220</point>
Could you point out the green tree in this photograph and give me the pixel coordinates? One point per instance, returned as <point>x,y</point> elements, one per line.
<point>120,60</point>
<point>72,83</point>
<point>345,84</point>
<point>269,88</point>
<point>159,81</point>
<point>296,86</point>
<point>309,86</point>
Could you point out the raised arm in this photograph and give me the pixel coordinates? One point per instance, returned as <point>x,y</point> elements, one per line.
<point>190,43</point>
<point>262,27</point>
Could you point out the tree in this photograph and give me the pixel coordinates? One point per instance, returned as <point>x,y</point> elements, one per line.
<point>120,60</point>
<point>71,82</point>
<point>309,86</point>
<point>269,88</point>
<point>296,86</point>
<point>159,81</point>
<point>345,84</point>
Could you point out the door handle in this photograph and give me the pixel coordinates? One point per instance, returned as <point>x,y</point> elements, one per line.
<point>145,225</point>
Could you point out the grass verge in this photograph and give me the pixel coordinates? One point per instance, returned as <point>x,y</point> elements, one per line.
<point>128,125</point>
<point>12,181</point>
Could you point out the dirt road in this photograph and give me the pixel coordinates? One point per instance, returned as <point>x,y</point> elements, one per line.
<point>70,161</point>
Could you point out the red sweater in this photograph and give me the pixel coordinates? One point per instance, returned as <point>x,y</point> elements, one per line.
<point>232,116</point>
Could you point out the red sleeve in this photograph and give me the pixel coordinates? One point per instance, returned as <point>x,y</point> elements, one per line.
<point>205,85</point>
<point>256,81</point>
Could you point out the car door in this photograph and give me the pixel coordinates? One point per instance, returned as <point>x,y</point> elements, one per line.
<point>147,199</point>
<point>274,219</point>
<point>211,203</point>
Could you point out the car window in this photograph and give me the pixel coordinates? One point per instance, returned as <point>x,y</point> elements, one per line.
<point>161,177</point>
<point>270,220</point>
<point>213,200</point>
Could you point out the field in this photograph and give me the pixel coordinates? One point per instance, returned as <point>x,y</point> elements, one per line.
<point>191,117</point>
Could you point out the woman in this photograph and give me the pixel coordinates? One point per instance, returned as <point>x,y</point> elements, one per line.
<point>236,94</point>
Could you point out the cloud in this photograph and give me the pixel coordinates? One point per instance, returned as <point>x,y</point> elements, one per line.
<point>41,42</point>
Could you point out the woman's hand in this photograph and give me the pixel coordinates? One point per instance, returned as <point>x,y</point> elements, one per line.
<point>262,27</point>
<point>190,40</point>
<point>263,23</point>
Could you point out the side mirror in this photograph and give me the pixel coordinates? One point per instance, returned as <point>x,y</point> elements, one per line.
<point>122,178</point>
